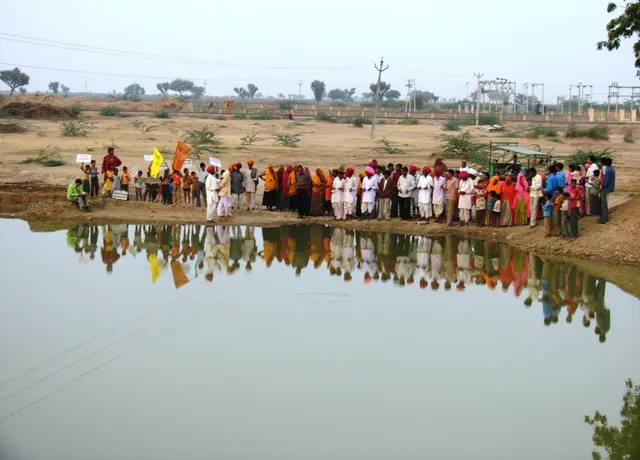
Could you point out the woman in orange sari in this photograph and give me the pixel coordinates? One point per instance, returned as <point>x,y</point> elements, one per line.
<point>270,196</point>
<point>327,193</point>
<point>493,186</point>
<point>319,184</point>
<point>284,196</point>
<point>293,189</point>
<point>508,200</point>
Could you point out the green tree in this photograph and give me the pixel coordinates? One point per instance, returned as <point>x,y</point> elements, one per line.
<point>281,96</point>
<point>624,26</point>
<point>22,90</point>
<point>54,86</point>
<point>318,87</point>
<point>367,96</point>
<point>14,79</point>
<point>384,87</point>
<point>242,93</point>
<point>337,95</point>
<point>197,92</point>
<point>392,95</point>
<point>252,90</point>
<point>620,443</point>
<point>350,93</point>
<point>181,86</point>
<point>163,88</point>
<point>65,90</point>
<point>135,89</point>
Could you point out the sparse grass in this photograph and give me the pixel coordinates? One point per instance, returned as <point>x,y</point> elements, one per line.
<point>75,109</point>
<point>162,114</point>
<point>462,146</point>
<point>250,138</point>
<point>239,116</point>
<point>110,111</point>
<point>324,116</point>
<point>358,121</point>
<point>265,115</point>
<point>535,132</point>
<point>48,157</point>
<point>628,136</point>
<point>599,132</point>
<point>202,141</point>
<point>581,155</point>
<point>144,128</point>
<point>511,134</point>
<point>242,147</point>
<point>287,140</point>
<point>484,119</point>
<point>409,121</point>
<point>219,117</point>
<point>387,147</point>
<point>75,128</point>
<point>453,124</point>
<point>112,145</point>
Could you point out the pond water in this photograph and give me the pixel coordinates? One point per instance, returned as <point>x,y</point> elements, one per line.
<point>167,342</point>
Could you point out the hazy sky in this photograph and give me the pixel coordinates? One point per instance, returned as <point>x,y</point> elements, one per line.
<point>276,43</point>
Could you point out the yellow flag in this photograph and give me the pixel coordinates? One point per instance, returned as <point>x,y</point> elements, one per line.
<point>155,164</point>
<point>155,268</point>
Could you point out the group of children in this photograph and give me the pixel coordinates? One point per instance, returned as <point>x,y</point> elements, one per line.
<point>562,210</point>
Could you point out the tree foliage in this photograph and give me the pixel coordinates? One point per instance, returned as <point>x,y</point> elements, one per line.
<point>392,95</point>
<point>181,86</point>
<point>318,87</point>
<point>241,92</point>
<point>197,92</point>
<point>65,90</point>
<point>252,90</point>
<point>337,94</point>
<point>620,443</point>
<point>368,96</point>
<point>350,93</point>
<point>54,87</point>
<point>384,87</point>
<point>624,26</point>
<point>14,79</point>
<point>163,88</point>
<point>134,88</point>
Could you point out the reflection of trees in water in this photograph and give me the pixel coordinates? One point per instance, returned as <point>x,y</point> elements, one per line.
<point>448,261</point>
<point>623,442</point>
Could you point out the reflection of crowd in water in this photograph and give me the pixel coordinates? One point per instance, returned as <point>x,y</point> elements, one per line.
<point>430,262</point>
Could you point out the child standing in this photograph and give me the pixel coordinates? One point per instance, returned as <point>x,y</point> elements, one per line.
<point>166,189</point>
<point>116,180</point>
<point>138,186</point>
<point>564,216</point>
<point>108,182</point>
<point>126,180</point>
<point>95,185</point>
<point>496,207</point>
<point>594,190</point>
<point>557,204</point>
<point>186,187</point>
<point>574,205</point>
<point>172,189</point>
<point>481,203</point>
<point>86,178</point>
<point>176,180</point>
<point>547,212</point>
<point>194,188</point>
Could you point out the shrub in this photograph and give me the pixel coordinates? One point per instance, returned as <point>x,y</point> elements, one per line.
<point>250,138</point>
<point>484,119</point>
<point>409,121</point>
<point>239,116</point>
<point>48,156</point>
<point>628,136</point>
<point>358,121</point>
<point>75,109</point>
<point>462,146</point>
<point>202,140</point>
<point>287,140</point>
<point>453,124</point>
<point>387,147</point>
<point>75,128</point>
<point>110,111</point>
<point>534,132</point>
<point>599,132</point>
<point>324,116</point>
<point>265,115</point>
<point>286,105</point>
<point>162,114</point>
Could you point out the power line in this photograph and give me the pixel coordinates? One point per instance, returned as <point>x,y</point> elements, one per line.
<point>148,56</point>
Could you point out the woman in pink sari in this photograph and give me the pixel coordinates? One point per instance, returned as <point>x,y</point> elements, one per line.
<point>523,212</point>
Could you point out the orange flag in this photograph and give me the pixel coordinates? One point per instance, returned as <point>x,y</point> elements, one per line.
<point>181,154</point>
<point>179,276</point>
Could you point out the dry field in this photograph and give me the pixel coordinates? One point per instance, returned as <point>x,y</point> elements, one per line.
<point>322,145</point>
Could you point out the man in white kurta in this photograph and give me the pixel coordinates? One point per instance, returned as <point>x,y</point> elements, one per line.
<point>465,192</point>
<point>211,184</point>
<point>535,193</point>
<point>350,192</point>
<point>369,192</point>
<point>425,192</point>
<point>337,196</point>
<point>250,184</point>
<point>439,183</point>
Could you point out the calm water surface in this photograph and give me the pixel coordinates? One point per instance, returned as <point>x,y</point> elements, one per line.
<point>161,342</point>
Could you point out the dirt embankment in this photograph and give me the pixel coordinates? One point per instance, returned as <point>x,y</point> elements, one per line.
<point>617,242</point>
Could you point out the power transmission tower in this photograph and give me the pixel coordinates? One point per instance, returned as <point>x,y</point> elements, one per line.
<point>375,111</point>
<point>407,105</point>
<point>478,91</point>
<point>299,88</point>
<point>533,94</point>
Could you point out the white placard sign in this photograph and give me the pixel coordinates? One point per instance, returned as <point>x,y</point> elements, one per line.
<point>187,162</point>
<point>120,195</point>
<point>215,162</point>
<point>148,158</point>
<point>83,158</point>
<point>134,171</point>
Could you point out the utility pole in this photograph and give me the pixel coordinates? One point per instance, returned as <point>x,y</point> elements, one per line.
<point>415,88</point>
<point>299,88</point>
<point>467,97</point>
<point>407,105</point>
<point>478,91</point>
<point>204,94</point>
<point>375,111</point>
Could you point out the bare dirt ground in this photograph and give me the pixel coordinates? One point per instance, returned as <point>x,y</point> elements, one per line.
<point>31,191</point>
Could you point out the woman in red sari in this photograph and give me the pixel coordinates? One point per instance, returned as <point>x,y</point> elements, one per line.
<point>508,200</point>
<point>284,197</point>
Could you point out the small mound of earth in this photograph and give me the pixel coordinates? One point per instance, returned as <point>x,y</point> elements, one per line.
<point>36,111</point>
<point>11,128</point>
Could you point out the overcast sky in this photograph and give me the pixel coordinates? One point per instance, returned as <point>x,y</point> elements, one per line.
<point>273,44</point>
